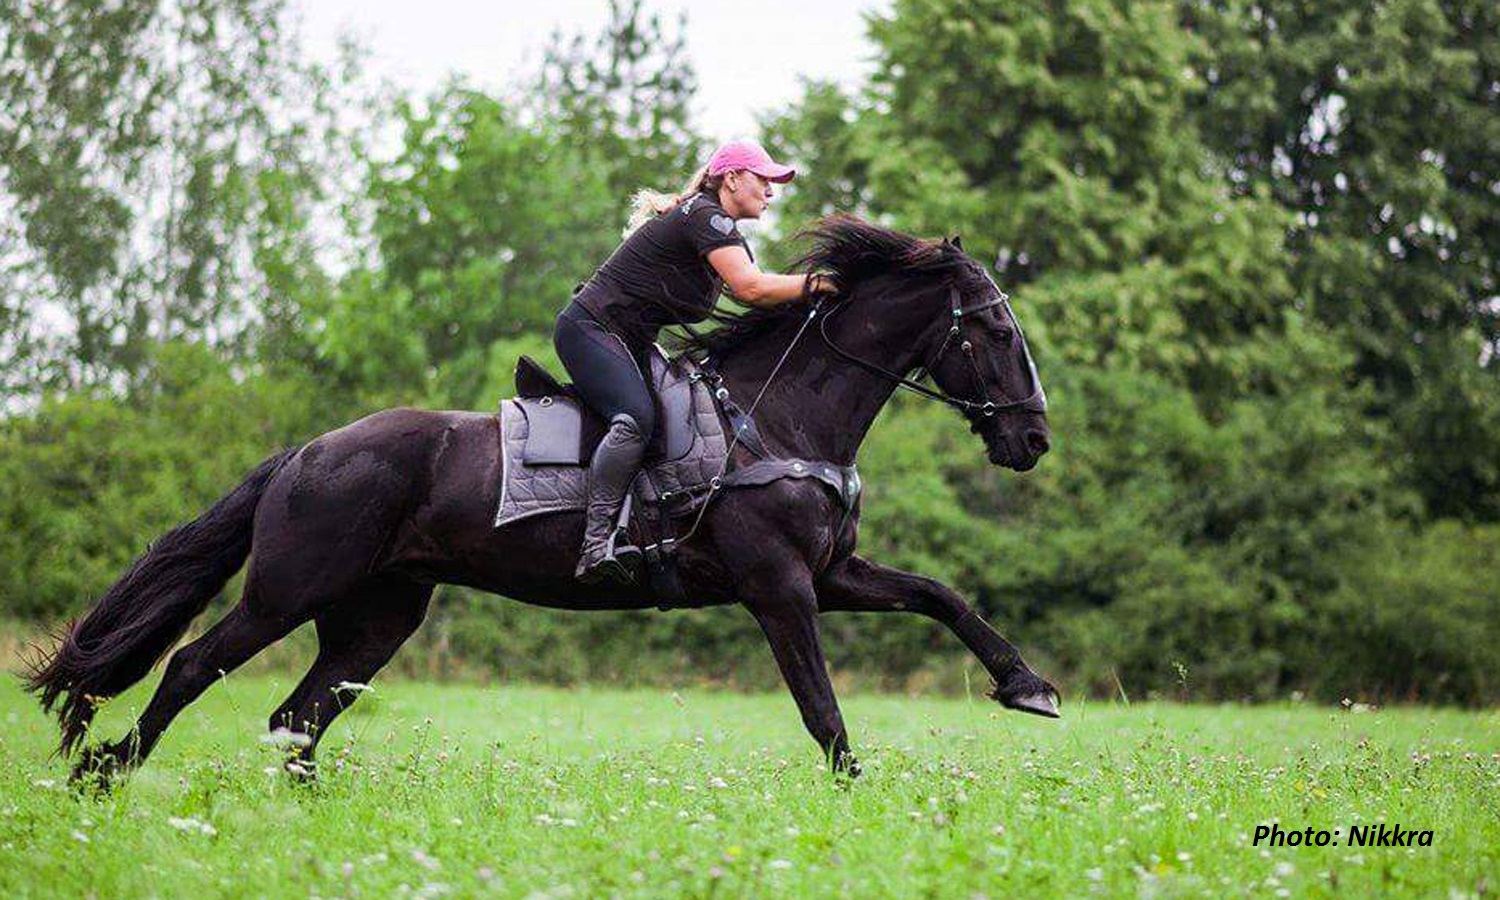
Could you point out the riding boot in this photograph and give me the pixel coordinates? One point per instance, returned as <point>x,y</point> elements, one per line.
<point>611,471</point>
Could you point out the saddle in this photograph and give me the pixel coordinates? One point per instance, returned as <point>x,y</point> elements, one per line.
<point>548,436</point>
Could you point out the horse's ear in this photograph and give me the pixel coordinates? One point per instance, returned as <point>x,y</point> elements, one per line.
<point>956,241</point>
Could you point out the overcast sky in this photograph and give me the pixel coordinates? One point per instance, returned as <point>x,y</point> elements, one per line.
<point>748,55</point>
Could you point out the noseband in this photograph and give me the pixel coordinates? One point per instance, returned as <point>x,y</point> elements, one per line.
<point>1035,402</point>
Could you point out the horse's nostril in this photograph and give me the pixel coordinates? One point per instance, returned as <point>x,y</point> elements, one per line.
<point>1037,443</point>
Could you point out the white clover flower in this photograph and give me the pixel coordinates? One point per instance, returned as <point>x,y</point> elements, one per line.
<point>285,737</point>
<point>191,825</point>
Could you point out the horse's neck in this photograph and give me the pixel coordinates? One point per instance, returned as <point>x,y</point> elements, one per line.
<point>819,406</point>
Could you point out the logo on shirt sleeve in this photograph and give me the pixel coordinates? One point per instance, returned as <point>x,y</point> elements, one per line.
<point>720,223</point>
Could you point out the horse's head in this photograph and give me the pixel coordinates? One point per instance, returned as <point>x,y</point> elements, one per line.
<point>911,305</point>
<point>977,355</point>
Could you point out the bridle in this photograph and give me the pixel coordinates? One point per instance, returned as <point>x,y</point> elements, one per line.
<point>1035,402</point>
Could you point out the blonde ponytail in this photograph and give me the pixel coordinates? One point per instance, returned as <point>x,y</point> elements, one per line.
<point>648,203</point>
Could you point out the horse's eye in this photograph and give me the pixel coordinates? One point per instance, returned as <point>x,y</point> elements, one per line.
<point>1007,334</point>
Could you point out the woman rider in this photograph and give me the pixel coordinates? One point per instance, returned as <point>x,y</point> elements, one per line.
<point>679,252</point>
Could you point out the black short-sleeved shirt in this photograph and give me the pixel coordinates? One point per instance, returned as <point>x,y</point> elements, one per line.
<point>660,274</point>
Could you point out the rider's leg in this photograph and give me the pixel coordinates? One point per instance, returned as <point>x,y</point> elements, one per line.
<point>606,554</point>
<point>609,380</point>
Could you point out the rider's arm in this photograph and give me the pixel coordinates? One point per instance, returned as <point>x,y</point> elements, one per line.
<point>749,285</point>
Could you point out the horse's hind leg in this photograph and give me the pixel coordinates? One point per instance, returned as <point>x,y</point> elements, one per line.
<point>222,649</point>
<point>355,639</point>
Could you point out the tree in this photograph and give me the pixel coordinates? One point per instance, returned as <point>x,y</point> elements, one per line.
<point>1210,464</point>
<point>157,162</point>
<point>624,94</point>
<point>483,225</point>
<point>1376,125</point>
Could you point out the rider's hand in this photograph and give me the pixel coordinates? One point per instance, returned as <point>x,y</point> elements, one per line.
<point>823,284</point>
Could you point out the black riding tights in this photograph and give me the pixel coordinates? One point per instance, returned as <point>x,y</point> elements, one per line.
<point>606,372</point>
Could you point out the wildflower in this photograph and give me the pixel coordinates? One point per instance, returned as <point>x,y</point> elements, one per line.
<point>353,687</point>
<point>80,837</point>
<point>190,824</point>
<point>780,864</point>
<point>425,861</point>
<point>283,736</point>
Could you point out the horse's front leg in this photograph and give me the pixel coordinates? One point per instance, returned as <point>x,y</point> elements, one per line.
<point>858,585</point>
<point>787,610</point>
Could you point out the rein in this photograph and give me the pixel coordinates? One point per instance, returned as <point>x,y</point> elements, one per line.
<point>1036,401</point>
<point>716,483</point>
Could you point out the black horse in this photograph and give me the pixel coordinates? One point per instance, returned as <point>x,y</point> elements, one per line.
<point>353,529</point>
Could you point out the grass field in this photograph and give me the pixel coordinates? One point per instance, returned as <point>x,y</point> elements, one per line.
<point>432,790</point>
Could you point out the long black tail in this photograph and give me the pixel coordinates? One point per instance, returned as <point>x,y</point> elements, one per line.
<point>138,620</point>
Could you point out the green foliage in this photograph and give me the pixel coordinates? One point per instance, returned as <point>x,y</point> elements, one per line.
<point>87,481</point>
<point>624,95</point>
<point>1253,247</point>
<point>1377,124</point>
<point>1217,458</point>
<point>159,165</point>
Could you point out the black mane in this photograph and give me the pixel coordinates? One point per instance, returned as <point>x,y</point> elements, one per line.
<point>854,251</point>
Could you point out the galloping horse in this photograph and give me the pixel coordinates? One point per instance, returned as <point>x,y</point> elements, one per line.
<point>353,529</point>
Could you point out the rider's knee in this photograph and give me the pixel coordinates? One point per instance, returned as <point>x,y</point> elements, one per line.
<point>637,426</point>
<point>641,421</point>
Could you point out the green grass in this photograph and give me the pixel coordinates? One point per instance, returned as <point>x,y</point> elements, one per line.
<point>432,790</point>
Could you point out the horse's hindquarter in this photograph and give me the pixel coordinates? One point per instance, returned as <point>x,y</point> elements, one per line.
<point>341,510</point>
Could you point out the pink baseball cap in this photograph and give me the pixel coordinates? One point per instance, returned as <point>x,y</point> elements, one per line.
<point>748,155</point>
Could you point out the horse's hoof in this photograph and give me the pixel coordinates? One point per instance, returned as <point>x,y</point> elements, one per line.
<point>846,767</point>
<point>97,769</point>
<point>1040,704</point>
<point>301,771</point>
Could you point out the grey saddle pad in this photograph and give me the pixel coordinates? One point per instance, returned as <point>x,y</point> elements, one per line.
<point>543,454</point>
